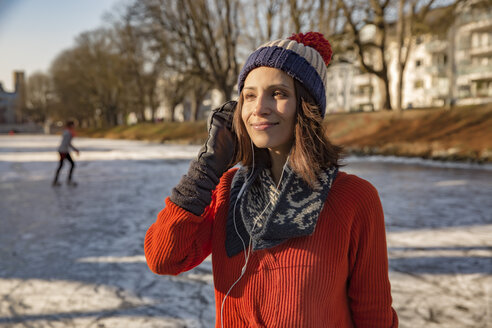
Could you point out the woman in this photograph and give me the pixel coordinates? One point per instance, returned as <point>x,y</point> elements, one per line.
<point>294,242</point>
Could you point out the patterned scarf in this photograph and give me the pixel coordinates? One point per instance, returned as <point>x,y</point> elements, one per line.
<point>270,215</point>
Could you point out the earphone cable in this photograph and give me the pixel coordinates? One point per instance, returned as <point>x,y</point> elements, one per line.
<point>247,252</point>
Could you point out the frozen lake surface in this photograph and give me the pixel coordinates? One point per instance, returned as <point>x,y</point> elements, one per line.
<point>73,256</point>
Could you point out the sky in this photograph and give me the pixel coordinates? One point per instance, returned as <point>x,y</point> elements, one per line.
<point>34,32</point>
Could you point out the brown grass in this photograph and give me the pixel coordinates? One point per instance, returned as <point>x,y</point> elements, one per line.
<point>463,133</point>
<point>459,133</point>
<point>186,132</point>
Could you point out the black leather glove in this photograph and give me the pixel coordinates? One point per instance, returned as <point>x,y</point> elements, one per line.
<point>194,191</point>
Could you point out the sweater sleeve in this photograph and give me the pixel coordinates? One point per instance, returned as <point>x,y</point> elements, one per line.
<point>180,240</point>
<point>369,289</point>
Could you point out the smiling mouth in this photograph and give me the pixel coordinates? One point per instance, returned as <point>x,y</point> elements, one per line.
<point>263,125</point>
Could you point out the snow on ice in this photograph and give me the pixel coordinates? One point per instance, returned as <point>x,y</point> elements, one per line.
<point>73,256</point>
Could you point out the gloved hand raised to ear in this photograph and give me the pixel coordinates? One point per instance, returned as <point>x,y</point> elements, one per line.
<point>194,192</point>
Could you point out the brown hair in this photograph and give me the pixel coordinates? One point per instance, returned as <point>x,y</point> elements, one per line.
<point>311,150</point>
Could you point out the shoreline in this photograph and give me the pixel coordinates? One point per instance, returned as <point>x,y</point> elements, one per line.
<point>441,156</point>
<point>461,134</point>
<point>427,162</point>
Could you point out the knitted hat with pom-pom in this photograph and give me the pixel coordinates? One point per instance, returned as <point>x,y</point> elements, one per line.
<point>302,56</point>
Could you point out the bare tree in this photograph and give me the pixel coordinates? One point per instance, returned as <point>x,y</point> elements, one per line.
<point>198,90</point>
<point>262,20</point>
<point>72,87</point>
<point>39,96</point>
<point>152,96</point>
<point>130,47</point>
<point>327,17</point>
<point>411,24</point>
<point>173,90</point>
<point>402,58</point>
<point>143,62</point>
<point>371,53</point>
<point>319,15</point>
<point>268,20</point>
<point>296,10</point>
<point>272,9</point>
<point>197,38</point>
<point>88,79</point>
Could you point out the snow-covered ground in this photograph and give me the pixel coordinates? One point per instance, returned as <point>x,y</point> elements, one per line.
<point>73,256</point>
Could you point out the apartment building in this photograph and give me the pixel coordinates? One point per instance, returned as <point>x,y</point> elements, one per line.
<point>7,106</point>
<point>473,40</point>
<point>450,66</point>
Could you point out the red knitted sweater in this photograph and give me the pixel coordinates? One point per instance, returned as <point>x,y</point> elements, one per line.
<point>337,277</point>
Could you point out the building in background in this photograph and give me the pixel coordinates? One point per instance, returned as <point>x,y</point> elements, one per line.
<point>473,51</point>
<point>12,104</point>
<point>7,106</point>
<point>451,66</point>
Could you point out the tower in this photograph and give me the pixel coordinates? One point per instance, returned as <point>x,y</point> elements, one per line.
<point>20,92</point>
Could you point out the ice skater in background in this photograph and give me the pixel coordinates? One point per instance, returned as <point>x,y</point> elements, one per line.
<point>64,151</point>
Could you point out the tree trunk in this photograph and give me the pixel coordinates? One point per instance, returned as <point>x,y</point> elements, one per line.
<point>226,91</point>
<point>111,116</point>
<point>295,16</point>
<point>399,91</point>
<point>195,107</point>
<point>387,96</point>
<point>171,111</point>
<point>152,108</point>
<point>399,66</point>
<point>451,67</point>
<point>142,113</point>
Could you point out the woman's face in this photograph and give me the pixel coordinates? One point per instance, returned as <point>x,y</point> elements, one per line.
<point>269,109</point>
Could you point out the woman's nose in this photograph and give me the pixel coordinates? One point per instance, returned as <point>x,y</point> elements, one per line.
<point>263,105</point>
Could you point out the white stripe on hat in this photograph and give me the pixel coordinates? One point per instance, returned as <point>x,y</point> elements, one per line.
<point>310,54</point>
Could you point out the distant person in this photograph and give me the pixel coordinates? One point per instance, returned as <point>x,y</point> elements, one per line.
<point>64,151</point>
<point>294,242</point>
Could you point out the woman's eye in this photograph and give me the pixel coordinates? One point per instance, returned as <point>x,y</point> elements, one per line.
<point>249,96</point>
<point>279,94</point>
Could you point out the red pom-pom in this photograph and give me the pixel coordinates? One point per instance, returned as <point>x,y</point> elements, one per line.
<point>317,41</point>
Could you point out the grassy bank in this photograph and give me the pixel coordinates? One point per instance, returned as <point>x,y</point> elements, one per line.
<point>458,134</point>
<point>175,132</point>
